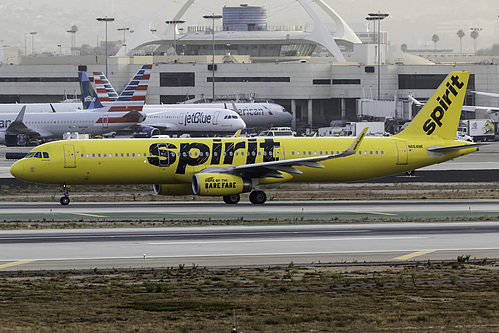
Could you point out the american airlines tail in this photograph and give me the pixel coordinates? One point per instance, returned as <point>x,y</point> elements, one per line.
<point>105,90</point>
<point>131,99</point>
<point>439,118</point>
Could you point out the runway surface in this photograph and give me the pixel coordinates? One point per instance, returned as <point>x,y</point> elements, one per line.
<point>255,245</point>
<point>245,211</point>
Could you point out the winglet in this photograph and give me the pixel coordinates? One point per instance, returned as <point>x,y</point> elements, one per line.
<point>237,134</point>
<point>354,147</point>
<point>19,118</point>
<point>234,108</point>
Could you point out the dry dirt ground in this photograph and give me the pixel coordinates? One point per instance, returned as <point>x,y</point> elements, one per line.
<point>459,296</point>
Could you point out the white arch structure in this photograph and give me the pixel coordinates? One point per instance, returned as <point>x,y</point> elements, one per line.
<point>143,36</point>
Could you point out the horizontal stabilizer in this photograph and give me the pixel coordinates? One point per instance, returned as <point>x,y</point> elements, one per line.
<point>451,148</point>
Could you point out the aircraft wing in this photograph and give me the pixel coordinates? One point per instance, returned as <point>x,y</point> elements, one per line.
<point>161,126</point>
<point>135,116</point>
<point>486,94</point>
<point>18,126</point>
<point>274,168</point>
<point>488,109</point>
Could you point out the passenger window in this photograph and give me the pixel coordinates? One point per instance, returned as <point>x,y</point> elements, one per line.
<point>88,155</point>
<point>98,155</point>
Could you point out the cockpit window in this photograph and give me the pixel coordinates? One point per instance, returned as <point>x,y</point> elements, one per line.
<point>37,154</point>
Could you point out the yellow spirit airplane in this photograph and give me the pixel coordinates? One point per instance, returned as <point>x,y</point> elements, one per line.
<point>228,167</point>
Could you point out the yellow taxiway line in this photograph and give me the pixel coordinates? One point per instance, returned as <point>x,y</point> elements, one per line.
<point>92,215</point>
<point>413,254</point>
<point>15,263</point>
<point>375,213</point>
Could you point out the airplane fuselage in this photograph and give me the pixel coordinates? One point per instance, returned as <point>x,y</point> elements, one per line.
<point>204,121</point>
<point>54,125</point>
<point>175,161</point>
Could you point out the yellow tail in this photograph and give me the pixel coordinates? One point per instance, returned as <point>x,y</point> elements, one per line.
<point>440,115</point>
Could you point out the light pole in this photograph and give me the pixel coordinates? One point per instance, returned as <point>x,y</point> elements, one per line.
<point>33,33</point>
<point>60,49</point>
<point>124,29</point>
<point>175,22</point>
<point>378,17</point>
<point>105,19</point>
<point>72,33</point>
<point>213,17</point>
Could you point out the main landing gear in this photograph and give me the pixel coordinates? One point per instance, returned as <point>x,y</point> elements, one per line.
<point>256,197</point>
<point>65,192</point>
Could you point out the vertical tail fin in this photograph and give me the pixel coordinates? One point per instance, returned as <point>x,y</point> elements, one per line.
<point>133,97</point>
<point>105,90</point>
<point>440,115</point>
<point>89,98</point>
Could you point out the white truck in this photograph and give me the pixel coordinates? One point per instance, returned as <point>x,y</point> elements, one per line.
<point>376,128</point>
<point>480,130</point>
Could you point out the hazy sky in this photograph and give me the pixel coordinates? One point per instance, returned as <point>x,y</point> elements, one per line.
<point>412,22</point>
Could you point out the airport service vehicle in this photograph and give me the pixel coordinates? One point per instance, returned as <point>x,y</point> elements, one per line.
<point>376,128</point>
<point>227,167</point>
<point>96,120</point>
<point>480,130</point>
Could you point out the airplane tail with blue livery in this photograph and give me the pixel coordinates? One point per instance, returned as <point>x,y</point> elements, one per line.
<point>230,166</point>
<point>89,98</point>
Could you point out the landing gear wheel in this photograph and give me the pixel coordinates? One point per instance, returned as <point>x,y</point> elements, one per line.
<point>258,197</point>
<point>231,199</point>
<point>64,201</point>
<point>65,192</point>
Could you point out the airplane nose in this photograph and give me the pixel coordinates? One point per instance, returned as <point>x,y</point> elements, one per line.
<point>17,170</point>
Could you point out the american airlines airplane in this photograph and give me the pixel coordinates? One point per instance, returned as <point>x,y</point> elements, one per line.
<point>97,120</point>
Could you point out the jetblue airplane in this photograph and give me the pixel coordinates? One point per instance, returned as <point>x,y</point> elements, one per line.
<point>172,120</point>
<point>96,120</point>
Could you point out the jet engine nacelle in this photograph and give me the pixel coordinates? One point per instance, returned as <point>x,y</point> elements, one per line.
<point>215,184</point>
<point>146,132</point>
<point>173,189</point>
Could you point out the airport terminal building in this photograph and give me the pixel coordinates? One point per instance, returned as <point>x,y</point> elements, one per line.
<point>318,73</point>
